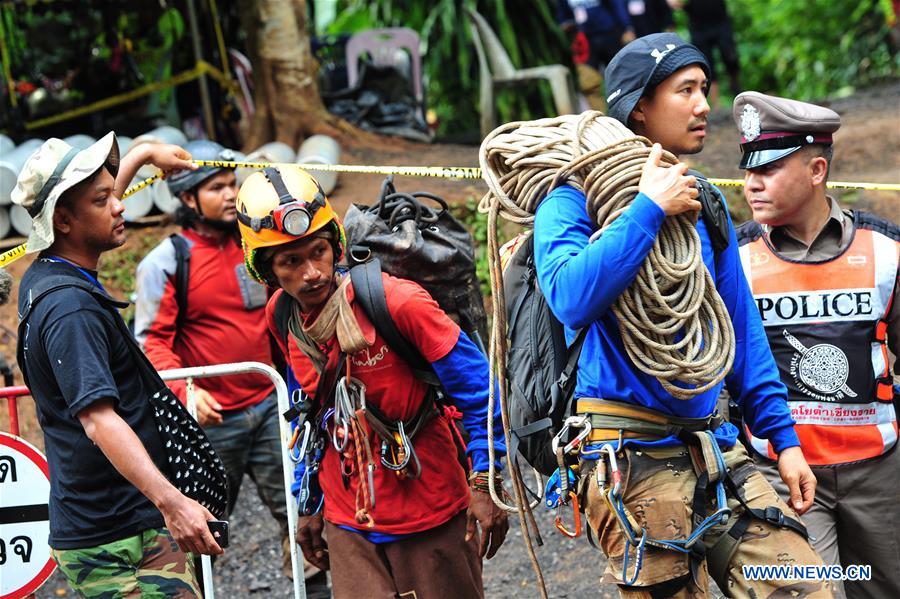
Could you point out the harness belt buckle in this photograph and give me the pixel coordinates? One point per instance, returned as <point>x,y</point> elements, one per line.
<point>774,516</point>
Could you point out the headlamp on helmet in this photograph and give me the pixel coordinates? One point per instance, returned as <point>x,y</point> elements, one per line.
<point>292,216</point>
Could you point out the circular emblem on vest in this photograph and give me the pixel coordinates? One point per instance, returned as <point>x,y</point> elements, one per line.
<point>750,126</point>
<point>824,368</point>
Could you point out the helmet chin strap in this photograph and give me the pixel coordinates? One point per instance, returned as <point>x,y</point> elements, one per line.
<point>214,223</point>
<point>225,226</point>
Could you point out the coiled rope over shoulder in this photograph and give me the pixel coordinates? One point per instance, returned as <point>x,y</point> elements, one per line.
<point>673,323</point>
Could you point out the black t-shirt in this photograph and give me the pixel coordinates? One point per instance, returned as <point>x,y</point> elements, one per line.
<point>74,355</point>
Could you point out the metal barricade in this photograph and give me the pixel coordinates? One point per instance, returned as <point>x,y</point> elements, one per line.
<point>287,465</point>
<point>12,394</point>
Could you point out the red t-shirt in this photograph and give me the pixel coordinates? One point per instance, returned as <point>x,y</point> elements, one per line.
<point>401,506</point>
<point>224,321</point>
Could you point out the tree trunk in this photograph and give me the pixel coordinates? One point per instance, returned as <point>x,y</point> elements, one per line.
<point>286,93</point>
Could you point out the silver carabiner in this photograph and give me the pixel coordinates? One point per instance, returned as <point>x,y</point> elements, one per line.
<point>614,472</point>
<point>585,431</point>
<point>407,451</point>
<point>582,422</point>
<point>304,444</point>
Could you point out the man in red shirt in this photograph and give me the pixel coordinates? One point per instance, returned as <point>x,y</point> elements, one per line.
<point>218,319</point>
<point>394,525</point>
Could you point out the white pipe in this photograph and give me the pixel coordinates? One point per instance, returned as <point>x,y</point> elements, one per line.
<point>284,428</point>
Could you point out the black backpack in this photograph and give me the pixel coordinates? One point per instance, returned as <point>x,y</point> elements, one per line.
<point>540,390</point>
<point>540,368</point>
<point>182,274</point>
<point>416,241</point>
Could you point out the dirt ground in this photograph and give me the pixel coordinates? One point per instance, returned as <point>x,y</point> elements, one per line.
<point>867,148</point>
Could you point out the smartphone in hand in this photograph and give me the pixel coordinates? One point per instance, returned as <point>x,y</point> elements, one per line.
<point>219,530</point>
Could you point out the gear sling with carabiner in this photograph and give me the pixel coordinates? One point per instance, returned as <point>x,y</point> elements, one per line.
<point>352,415</point>
<point>610,424</point>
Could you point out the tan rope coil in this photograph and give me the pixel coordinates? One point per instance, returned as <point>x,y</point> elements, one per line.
<point>673,323</point>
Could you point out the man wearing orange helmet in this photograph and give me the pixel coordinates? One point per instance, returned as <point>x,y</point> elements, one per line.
<point>376,450</point>
<point>197,306</point>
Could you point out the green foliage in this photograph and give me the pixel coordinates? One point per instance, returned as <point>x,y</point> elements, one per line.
<point>467,213</point>
<point>477,224</point>
<point>450,62</point>
<point>812,49</point>
<point>118,268</point>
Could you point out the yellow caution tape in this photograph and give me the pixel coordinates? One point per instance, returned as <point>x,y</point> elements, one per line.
<point>441,172</point>
<point>473,172</point>
<point>202,68</point>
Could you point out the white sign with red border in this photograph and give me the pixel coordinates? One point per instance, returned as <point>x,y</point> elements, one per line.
<point>25,561</point>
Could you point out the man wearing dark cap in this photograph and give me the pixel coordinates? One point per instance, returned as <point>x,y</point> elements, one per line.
<point>657,86</point>
<point>825,284</point>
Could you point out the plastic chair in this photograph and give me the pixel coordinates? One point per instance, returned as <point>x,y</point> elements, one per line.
<point>497,70</point>
<point>382,45</point>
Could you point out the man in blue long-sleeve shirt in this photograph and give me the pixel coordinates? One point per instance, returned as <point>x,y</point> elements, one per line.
<point>657,86</point>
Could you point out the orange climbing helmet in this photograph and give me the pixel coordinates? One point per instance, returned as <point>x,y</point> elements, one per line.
<point>276,206</point>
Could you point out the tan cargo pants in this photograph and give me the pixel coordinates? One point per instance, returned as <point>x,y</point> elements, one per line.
<point>658,488</point>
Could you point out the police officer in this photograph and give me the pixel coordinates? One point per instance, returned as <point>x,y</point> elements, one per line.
<point>825,283</point>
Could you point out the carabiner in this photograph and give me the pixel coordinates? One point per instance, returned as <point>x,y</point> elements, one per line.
<point>614,472</point>
<point>371,479</point>
<point>560,526</point>
<point>304,443</point>
<point>343,425</point>
<point>574,443</point>
<point>571,421</point>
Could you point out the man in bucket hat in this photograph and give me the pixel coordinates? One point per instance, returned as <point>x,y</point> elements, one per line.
<point>117,525</point>
<point>825,283</point>
<point>674,455</point>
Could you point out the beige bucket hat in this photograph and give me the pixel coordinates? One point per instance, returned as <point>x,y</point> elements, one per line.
<point>54,168</point>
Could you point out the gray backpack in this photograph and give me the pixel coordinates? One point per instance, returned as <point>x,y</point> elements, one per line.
<point>539,367</point>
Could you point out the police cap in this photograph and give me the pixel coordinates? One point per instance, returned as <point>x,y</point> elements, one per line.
<point>772,128</point>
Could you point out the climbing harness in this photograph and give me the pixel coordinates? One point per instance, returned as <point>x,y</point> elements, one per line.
<point>615,422</point>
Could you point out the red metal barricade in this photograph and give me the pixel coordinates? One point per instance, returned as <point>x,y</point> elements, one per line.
<point>12,394</point>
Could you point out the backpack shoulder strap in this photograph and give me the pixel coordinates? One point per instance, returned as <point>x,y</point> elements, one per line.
<point>282,315</point>
<point>368,288</point>
<point>43,288</point>
<point>182,274</point>
<point>713,212</point>
<point>748,232</point>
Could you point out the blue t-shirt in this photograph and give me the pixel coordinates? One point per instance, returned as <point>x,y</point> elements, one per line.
<point>582,280</point>
<point>74,356</point>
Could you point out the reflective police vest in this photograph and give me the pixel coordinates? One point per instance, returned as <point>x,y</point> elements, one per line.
<point>826,324</point>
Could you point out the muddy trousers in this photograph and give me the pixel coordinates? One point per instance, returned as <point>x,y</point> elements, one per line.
<point>658,489</point>
<point>855,520</point>
<point>434,564</point>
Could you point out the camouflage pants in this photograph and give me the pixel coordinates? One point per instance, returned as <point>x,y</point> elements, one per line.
<point>148,564</point>
<point>658,488</point>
